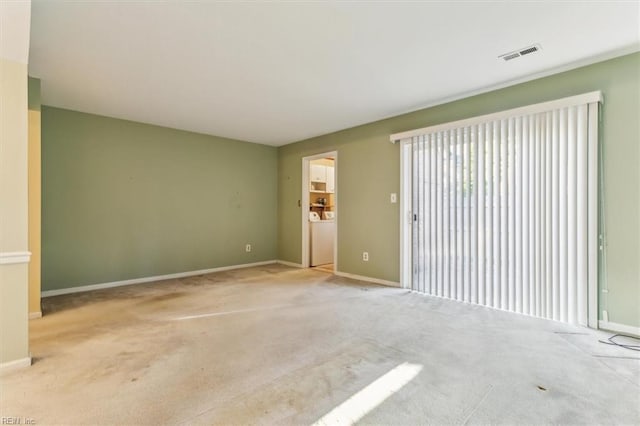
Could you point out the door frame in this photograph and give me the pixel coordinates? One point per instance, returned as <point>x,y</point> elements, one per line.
<point>304,206</point>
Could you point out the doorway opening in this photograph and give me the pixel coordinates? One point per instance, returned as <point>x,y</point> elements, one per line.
<point>319,208</point>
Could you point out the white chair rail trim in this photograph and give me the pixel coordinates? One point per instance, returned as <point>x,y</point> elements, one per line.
<point>10,257</point>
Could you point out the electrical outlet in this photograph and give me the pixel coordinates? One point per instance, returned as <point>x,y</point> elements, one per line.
<point>365,256</point>
<point>394,197</point>
<point>247,248</point>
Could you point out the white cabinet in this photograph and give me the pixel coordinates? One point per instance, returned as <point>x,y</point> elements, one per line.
<point>331,179</point>
<point>322,178</point>
<point>318,173</point>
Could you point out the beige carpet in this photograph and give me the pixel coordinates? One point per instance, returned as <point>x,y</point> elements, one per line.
<point>278,345</point>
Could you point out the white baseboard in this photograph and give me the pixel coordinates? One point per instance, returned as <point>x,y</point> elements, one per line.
<point>15,365</point>
<point>294,265</point>
<point>35,315</point>
<point>369,279</point>
<point>91,287</point>
<point>619,328</point>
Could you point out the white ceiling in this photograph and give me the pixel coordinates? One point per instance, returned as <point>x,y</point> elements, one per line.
<point>279,72</point>
<point>14,30</point>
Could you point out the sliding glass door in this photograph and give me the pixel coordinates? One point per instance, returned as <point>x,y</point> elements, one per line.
<point>501,210</point>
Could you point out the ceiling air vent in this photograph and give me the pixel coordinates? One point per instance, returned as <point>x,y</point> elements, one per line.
<point>528,50</point>
<point>520,52</point>
<point>510,56</point>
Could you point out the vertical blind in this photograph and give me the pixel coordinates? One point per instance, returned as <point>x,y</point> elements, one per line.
<point>503,211</point>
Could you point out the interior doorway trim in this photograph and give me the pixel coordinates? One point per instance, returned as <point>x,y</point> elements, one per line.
<point>304,206</point>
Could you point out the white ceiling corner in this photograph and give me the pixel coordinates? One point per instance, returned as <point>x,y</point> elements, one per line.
<point>279,72</point>
<point>15,19</point>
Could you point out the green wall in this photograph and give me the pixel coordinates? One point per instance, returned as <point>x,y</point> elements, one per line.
<point>124,200</point>
<point>369,170</point>
<point>34,94</point>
